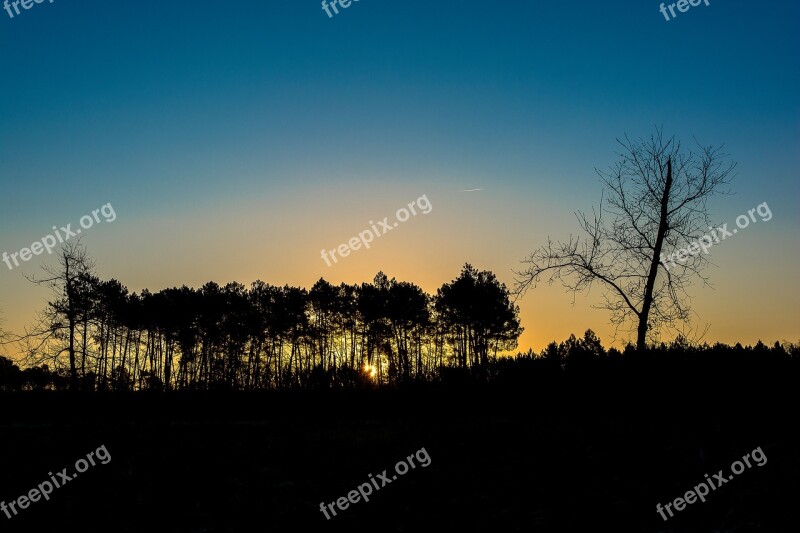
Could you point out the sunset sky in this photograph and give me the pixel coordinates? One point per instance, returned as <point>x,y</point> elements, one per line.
<point>236,140</point>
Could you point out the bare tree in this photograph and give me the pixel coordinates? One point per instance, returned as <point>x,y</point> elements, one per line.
<point>58,325</point>
<point>656,202</point>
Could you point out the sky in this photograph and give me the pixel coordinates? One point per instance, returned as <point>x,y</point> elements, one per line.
<point>235,141</point>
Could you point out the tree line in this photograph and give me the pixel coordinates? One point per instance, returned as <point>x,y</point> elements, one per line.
<point>577,358</point>
<point>97,335</point>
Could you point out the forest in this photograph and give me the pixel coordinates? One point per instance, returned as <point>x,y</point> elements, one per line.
<point>96,335</point>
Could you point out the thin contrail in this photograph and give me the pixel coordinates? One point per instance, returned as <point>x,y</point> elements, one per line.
<point>470,190</point>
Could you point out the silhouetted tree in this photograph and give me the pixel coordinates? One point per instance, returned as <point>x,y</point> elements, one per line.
<point>371,303</point>
<point>479,316</point>
<point>582,354</point>
<point>324,306</point>
<point>69,281</point>
<point>553,356</point>
<point>10,375</point>
<point>656,201</point>
<point>407,312</point>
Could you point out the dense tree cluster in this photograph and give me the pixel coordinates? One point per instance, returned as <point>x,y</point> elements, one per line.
<point>265,337</point>
<point>585,360</point>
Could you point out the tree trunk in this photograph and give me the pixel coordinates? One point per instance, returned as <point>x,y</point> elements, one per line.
<point>641,339</point>
<point>73,371</point>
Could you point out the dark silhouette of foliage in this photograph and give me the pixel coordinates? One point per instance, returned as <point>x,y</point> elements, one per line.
<point>231,337</point>
<point>478,317</point>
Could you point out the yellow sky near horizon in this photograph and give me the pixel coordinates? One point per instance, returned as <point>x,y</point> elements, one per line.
<point>278,243</point>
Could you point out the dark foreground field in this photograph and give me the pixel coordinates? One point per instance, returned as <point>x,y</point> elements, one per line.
<point>579,454</point>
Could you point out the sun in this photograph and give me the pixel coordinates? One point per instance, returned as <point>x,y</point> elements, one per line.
<point>370,370</point>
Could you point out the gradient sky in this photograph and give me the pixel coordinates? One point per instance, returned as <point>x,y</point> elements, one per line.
<point>236,140</point>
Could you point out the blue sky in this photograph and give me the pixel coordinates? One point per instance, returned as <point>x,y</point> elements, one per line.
<point>196,118</point>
